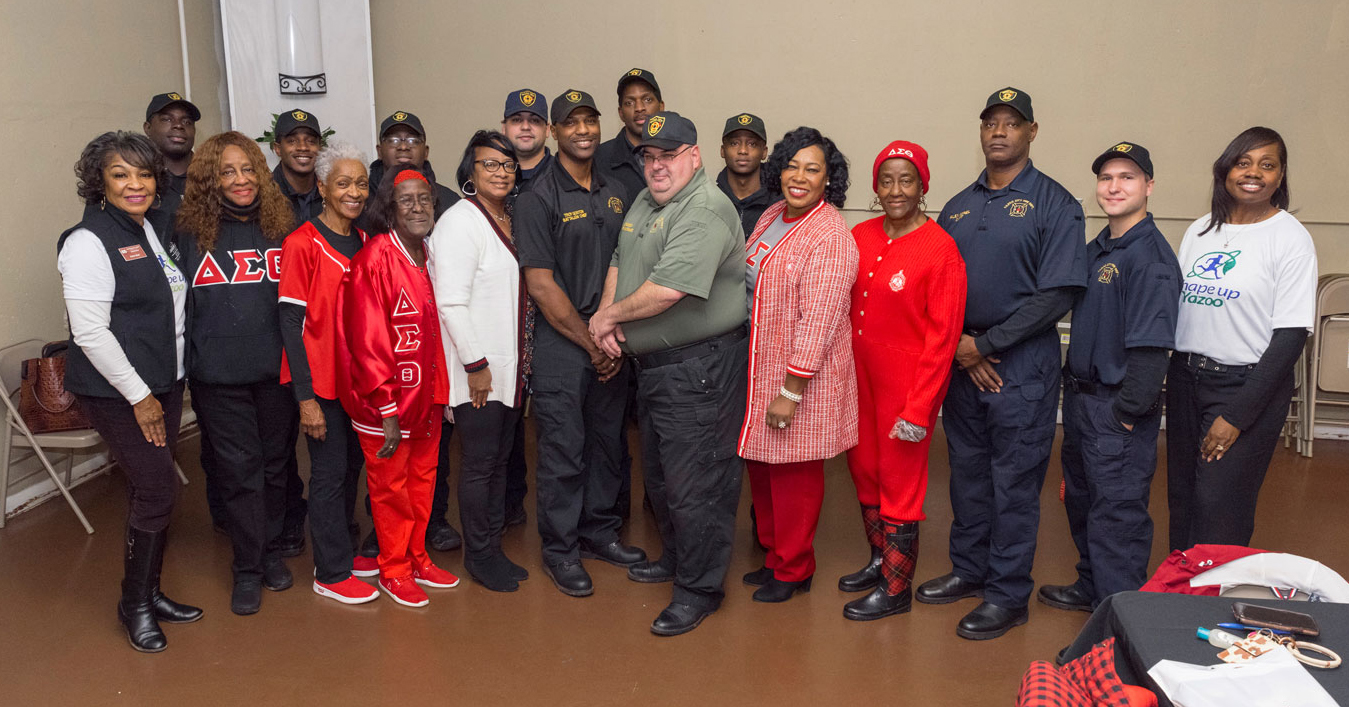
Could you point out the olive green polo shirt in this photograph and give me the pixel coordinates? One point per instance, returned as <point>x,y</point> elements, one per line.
<point>691,244</point>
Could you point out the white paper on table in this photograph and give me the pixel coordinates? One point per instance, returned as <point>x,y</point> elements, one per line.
<point>1278,569</point>
<point>1275,679</point>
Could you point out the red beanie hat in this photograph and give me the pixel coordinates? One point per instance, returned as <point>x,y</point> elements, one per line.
<point>910,151</point>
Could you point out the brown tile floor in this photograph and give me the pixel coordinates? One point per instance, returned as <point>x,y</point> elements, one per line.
<point>60,643</point>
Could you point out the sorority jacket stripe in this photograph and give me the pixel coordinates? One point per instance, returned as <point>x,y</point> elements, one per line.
<point>754,315</point>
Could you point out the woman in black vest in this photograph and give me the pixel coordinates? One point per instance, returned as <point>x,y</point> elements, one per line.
<point>232,222</point>
<point>125,297</point>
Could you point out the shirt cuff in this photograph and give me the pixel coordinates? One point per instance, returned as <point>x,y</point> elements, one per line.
<point>476,366</point>
<point>800,372</point>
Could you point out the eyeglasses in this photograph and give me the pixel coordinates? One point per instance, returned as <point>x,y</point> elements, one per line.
<point>409,202</point>
<point>411,141</point>
<point>494,165</point>
<point>647,100</point>
<point>663,160</point>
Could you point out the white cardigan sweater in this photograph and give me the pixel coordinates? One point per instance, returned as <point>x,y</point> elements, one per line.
<point>477,287</point>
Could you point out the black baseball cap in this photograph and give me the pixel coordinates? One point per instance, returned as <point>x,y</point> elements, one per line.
<point>293,120</point>
<point>745,121</point>
<point>668,130</point>
<point>1129,151</point>
<point>526,101</point>
<point>1017,99</point>
<point>639,75</point>
<point>570,100</point>
<point>402,117</point>
<point>164,100</point>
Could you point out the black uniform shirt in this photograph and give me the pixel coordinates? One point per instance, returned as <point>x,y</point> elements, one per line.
<point>751,207</point>
<point>560,226</point>
<point>1131,301</point>
<point>619,163</point>
<point>524,178</point>
<point>305,206</point>
<point>1026,237</point>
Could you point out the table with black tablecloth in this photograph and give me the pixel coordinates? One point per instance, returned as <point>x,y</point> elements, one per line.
<point>1149,627</point>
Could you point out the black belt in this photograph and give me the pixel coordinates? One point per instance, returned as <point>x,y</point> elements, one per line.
<point>656,359</point>
<point>1204,363</point>
<point>1087,387</point>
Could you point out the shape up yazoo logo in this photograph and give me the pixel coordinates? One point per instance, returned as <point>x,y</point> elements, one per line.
<point>1213,266</point>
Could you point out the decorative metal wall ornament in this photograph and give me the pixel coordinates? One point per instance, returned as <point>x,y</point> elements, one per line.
<point>299,48</point>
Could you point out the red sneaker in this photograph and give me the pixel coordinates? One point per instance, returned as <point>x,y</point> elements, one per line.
<point>348,591</point>
<point>364,566</point>
<point>404,591</point>
<point>432,576</point>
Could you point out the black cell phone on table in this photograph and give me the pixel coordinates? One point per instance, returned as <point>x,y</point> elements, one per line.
<point>1270,617</point>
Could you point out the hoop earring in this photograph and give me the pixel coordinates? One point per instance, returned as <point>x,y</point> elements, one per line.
<point>922,203</point>
<point>468,189</point>
<point>103,204</point>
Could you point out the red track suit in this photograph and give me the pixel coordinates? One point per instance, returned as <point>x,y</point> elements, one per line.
<point>908,305</point>
<point>390,363</point>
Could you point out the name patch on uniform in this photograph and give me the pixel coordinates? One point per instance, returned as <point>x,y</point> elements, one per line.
<point>1106,274</point>
<point>132,252</point>
<point>956,217</point>
<point>627,227</point>
<point>573,215</point>
<point>1016,208</point>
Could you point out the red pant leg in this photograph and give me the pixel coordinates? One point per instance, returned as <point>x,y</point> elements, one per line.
<point>798,493</point>
<point>904,479</point>
<point>386,480</point>
<point>901,466</point>
<point>864,459</point>
<point>761,494</point>
<point>421,480</point>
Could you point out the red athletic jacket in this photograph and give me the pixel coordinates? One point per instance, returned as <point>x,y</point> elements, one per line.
<point>389,356</point>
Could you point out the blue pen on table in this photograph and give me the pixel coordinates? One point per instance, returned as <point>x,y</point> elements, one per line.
<point>1244,627</point>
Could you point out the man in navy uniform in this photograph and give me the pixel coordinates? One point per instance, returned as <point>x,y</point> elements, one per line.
<point>525,124</point>
<point>1022,237</point>
<point>744,147</point>
<point>1124,324</point>
<point>638,99</point>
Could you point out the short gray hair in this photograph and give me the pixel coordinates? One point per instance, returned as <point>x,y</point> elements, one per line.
<point>335,152</point>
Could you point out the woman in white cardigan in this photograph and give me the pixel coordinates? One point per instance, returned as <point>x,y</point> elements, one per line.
<point>476,274</point>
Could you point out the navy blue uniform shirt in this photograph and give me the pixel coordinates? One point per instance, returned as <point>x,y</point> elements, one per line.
<point>1131,301</point>
<point>1026,237</point>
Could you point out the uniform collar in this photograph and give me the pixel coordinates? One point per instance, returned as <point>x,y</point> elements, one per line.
<point>279,177</point>
<point>1136,232</point>
<point>1024,182</point>
<point>567,183</point>
<point>724,184</point>
<point>624,152</point>
<point>699,179</point>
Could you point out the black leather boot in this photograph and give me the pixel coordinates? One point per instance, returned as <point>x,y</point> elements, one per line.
<point>166,609</point>
<point>135,610</point>
<point>894,594</point>
<point>869,576</point>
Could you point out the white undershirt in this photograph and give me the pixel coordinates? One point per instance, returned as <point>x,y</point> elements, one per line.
<point>88,284</point>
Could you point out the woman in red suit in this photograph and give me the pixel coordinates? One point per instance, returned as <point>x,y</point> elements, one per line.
<point>907,307</point>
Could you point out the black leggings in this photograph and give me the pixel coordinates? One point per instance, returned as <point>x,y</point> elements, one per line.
<point>151,481</point>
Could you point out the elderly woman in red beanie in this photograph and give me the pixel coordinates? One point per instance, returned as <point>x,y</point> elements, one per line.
<point>908,304</point>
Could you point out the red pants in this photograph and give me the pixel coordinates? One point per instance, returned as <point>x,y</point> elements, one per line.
<point>400,499</point>
<point>787,499</point>
<point>889,473</point>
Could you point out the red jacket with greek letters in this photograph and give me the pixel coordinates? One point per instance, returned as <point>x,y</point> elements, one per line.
<point>390,360</point>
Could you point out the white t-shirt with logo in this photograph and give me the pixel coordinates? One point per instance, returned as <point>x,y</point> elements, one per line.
<point>1241,282</point>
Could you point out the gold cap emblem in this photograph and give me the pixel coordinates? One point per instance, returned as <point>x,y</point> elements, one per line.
<point>527,97</point>
<point>299,115</point>
<point>635,72</point>
<point>745,119</point>
<point>1007,95</point>
<point>175,97</point>
<point>654,125</point>
<point>574,96</point>
<point>400,115</point>
<point>1123,147</point>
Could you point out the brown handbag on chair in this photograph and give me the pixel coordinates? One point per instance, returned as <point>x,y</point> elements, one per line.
<point>44,402</point>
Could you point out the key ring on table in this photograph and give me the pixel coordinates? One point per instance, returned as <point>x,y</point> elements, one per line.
<point>1295,647</point>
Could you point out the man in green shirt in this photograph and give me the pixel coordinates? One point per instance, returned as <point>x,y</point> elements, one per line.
<point>674,301</point>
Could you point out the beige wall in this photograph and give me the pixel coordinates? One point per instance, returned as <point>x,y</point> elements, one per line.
<point>1181,78</point>
<point>70,70</point>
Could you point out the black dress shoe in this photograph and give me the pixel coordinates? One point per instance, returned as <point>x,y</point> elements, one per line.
<point>615,553</point>
<point>570,578</point>
<point>776,591</point>
<point>990,621</point>
<point>247,597</point>
<point>758,577</point>
<point>1068,597</point>
<point>491,573</point>
<point>370,546</point>
<point>864,579</point>
<point>878,605</point>
<point>442,537</point>
<point>946,589</point>
<point>516,516</point>
<point>678,618</point>
<point>291,542</point>
<point>652,572</point>
<point>276,575</point>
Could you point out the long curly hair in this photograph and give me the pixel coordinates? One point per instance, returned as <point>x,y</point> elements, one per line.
<point>836,176</point>
<point>202,210</point>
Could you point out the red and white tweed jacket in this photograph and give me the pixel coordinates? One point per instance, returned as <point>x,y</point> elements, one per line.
<point>799,324</point>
